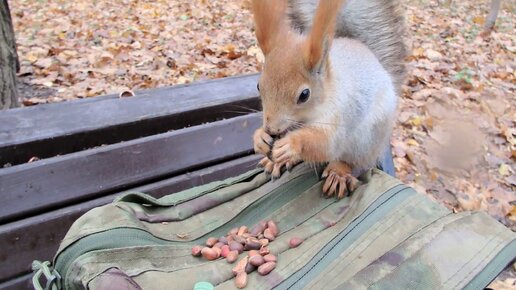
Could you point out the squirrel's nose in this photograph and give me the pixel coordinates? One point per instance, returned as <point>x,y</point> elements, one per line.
<point>271,132</point>
<point>268,131</point>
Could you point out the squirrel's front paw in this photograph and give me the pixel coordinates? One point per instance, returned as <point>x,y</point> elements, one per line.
<point>262,142</point>
<point>284,154</point>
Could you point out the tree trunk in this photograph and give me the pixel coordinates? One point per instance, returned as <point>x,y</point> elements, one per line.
<point>493,14</point>
<point>9,64</point>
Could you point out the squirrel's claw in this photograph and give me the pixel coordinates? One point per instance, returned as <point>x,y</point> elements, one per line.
<point>276,171</point>
<point>263,162</point>
<point>283,155</point>
<point>339,185</point>
<point>262,142</point>
<point>270,168</point>
<point>267,164</point>
<point>339,180</point>
<point>289,166</point>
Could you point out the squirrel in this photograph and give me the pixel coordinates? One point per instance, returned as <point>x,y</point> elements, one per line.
<point>329,84</point>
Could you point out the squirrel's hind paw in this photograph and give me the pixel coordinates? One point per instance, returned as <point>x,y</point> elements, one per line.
<point>339,180</point>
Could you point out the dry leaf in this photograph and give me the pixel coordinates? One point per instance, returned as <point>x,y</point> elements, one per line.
<point>433,55</point>
<point>504,169</point>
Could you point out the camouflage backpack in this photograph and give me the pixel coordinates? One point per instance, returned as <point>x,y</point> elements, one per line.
<point>385,236</point>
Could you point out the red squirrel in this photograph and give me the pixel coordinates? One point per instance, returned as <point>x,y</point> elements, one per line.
<point>329,84</point>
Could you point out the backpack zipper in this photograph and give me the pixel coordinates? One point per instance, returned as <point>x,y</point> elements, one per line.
<point>113,238</point>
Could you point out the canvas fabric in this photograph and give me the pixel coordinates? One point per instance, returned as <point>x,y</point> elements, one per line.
<point>384,236</point>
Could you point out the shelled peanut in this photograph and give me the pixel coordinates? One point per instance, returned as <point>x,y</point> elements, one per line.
<point>238,240</point>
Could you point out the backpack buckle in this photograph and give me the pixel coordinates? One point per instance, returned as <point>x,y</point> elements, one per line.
<point>51,275</point>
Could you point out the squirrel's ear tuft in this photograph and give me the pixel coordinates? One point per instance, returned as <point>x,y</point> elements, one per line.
<point>269,19</point>
<point>319,40</point>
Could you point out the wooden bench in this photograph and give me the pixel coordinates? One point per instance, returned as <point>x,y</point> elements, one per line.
<point>158,142</point>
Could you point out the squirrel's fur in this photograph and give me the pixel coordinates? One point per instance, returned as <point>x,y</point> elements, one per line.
<point>377,23</point>
<point>352,83</point>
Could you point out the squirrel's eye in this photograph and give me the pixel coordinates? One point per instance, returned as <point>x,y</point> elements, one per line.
<point>304,96</point>
<point>258,86</point>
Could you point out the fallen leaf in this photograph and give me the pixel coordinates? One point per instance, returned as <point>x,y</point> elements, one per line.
<point>44,62</point>
<point>433,55</point>
<point>511,180</point>
<point>504,169</point>
<point>412,142</point>
<point>479,20</point>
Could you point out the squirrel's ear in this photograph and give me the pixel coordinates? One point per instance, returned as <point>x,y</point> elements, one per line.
<point>319,40</point>
<point>269,19</point>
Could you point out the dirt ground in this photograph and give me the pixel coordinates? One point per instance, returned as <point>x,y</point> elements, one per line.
<point>455,137</point>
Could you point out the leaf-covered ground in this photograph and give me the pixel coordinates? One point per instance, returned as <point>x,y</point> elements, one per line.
<point>456,135</point>
<point>89,48</point>
<point>455,138</point>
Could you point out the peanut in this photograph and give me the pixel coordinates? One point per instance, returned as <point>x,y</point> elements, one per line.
<point>223,240</point>
<point>224,251</point>
<point>218,245</point>
<point>232,256</point>
<point>256,260</point>
<point>266,268</point>
<point>268,234</point>
<point>239,239</point>
<point>264,251</point>
<point>233,231</point>
<point>229,239</point>
<point>242,230</point>
<point>271,225</point>
<point>269,258</point>
<point>257,229</point>
<point>252,244</point>
<point>241,280</point>
<point>240,266</point>
<point>235,246</point>
<point>209,253</point>
<point>211,241</point>
<point>249,268</point>
<point>196,251</point>
<point>294,242</point>
<point>253,253</point>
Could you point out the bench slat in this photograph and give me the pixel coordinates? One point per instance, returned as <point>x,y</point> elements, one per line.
<point>31,188</point>
<point>38,237</point>
<point>20,283</point>
<point>56,129</point>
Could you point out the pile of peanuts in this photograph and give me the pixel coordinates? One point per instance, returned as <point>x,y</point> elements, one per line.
<point>240,239</point>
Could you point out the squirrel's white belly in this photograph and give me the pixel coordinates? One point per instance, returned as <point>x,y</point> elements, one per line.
<point>365,104</point>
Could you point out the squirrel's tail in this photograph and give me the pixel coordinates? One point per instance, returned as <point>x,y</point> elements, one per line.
<point>377,23</point>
